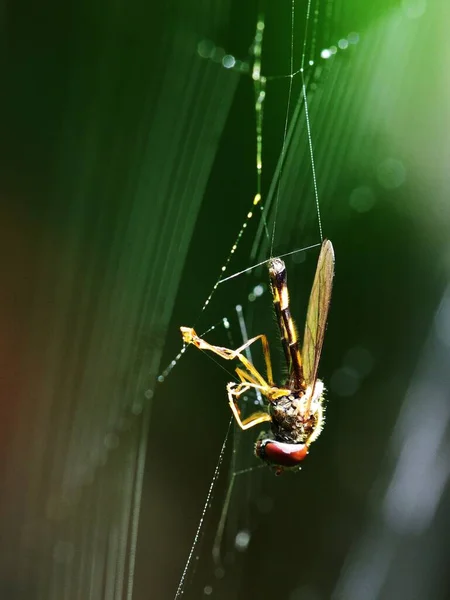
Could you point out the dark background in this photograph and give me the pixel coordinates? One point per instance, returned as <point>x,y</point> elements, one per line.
<point>127,169</point>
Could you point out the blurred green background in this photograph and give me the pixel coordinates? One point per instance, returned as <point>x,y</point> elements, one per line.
<point>127,169</point>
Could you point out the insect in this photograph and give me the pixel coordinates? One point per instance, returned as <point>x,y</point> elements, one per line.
<point>296,409</point>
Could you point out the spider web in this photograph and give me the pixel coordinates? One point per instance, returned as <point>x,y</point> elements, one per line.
<point>128,156</point>
<point>279,534</point>
<point>227,528</point>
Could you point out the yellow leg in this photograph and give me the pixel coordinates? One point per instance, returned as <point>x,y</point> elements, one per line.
<point>233,395</point>
<point>249,379</point>
<point>244,376</point>
<point>190,337</point>
<point>235,391</point>
<point>271,393</point>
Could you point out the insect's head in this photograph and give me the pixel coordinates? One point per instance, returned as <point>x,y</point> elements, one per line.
<point>280,455</point>
<point>276,267</point>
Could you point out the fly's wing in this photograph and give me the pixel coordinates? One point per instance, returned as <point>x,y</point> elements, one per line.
<point>316,317</point>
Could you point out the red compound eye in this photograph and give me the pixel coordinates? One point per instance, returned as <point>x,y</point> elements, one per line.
<point>279,453</point>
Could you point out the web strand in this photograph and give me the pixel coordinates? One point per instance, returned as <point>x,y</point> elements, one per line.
<point>308,122</point>
<point>311,154</point>
<point>206,507</point>
<point>286,123</point>
<point>264,262</point>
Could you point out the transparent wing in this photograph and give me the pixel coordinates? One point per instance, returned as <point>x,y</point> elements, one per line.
<point>316,317</point>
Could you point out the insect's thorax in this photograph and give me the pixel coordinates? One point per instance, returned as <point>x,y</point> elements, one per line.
<point>292,423</point>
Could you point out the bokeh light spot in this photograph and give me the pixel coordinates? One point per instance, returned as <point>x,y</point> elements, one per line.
<point>218,54</point>
<point>344,381</point>
<point>359,359</point>
<point>205,48</point>
<point>228,61</point>
<point>299,257</point>
<point>304,592</point>
<point>111,441</point>
<point>414,9</point>
<point>264,504</point>
<point>63,552</point>
<point>242,540</point>
<point>258,290</point>
<point>137,407</point>
<point>362,199</point>
<point>391,173</point>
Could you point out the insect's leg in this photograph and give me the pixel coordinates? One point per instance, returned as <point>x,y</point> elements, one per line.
<point>271,393</point>
<point>278,282</point>
<point>254,419</point>
<point>235,391</point>
<point>244,376</point>
<point>266,352</point>
<point>190,337</point>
